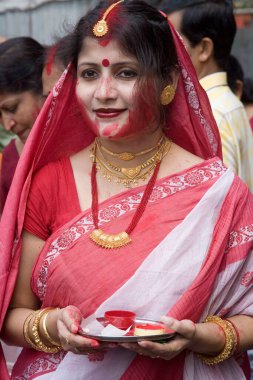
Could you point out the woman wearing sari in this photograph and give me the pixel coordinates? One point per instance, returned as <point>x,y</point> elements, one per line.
<point>126,204</point>
<point>21,65</point>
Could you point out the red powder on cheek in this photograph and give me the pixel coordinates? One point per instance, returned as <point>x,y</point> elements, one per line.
<point>105,62</point>
<point>108,130</point>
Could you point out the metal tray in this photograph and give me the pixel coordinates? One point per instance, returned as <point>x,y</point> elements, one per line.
<point>96,334</point>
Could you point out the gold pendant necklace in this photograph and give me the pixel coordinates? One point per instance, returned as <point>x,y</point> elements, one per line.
<point>111,241</point>
<point>121,239</point>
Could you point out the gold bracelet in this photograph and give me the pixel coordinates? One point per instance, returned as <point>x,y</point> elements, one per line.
<point>26,331</point>
<point>230,341</point>
<point>45,330</point>
<point>35,331</point>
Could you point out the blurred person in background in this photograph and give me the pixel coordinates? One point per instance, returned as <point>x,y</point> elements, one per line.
<point>54,65</point>
<point>235,76</point>
<point>241,87</point>
<point>208,29</point>
<point>5,136</point>
<point>21,65</point>
<point>247,99</point>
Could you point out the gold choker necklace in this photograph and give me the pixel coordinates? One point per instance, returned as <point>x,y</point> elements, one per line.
<point>129,176</point>
<point>128,156</point>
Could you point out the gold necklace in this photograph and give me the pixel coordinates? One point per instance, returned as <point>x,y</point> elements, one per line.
<point>132,172</point>
<point>129,176</point>
<point>118,240</point>
<point>128,156</point>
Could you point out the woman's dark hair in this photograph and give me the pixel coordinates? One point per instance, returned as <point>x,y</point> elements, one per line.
<point>213,19</point>
<point>141,31</point>
<point>247,95</point>
<point>21,65</point>
<point>234,72</point>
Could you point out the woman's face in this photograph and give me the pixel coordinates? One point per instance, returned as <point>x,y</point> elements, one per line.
<point>106,79</point>
<point>19,111</point>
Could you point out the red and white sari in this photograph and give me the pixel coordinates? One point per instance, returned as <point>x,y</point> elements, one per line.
<point>166,270</point>
<point>194,260</point>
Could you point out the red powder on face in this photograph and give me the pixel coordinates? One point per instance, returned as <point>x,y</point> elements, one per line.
<point>105,62</point>
<point>108,130</point>
<point>104,42</point>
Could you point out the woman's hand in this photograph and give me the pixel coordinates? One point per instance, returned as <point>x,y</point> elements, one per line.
<point>68,324</point>
<point>185,333</point>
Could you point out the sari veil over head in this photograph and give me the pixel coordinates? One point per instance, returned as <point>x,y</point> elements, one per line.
<point>61,130</point>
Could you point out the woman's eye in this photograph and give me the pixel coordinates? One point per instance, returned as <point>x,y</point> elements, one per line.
<point>89,74</point>
<point>127,74</point>
<point>11,109</point>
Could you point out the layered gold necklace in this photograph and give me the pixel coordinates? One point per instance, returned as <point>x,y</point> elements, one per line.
<point>112,241</point>
<point>128,177</point>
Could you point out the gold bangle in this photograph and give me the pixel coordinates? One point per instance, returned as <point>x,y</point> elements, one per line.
<point>45,330</point>
<point>26,331</point>
<point>230,341</point>
<point>35,331</point>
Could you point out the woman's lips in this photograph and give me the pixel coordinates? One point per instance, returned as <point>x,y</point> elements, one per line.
<point>108,113</point>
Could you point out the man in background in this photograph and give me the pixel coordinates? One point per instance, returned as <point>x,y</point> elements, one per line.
<point>208,29</point>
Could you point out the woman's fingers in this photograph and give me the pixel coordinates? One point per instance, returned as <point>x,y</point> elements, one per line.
<point>185,328</point>
<point>71,317</point>
<point>185,332</point>
<point>68,325</point>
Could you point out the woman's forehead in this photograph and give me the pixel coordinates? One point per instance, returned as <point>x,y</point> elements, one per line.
<point>93,51</point>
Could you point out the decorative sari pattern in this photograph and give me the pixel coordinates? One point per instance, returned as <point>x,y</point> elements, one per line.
<point>84,225</point>
<point>219,303</point>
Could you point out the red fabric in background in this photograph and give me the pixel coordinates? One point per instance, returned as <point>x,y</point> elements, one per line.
<point>8,166</point>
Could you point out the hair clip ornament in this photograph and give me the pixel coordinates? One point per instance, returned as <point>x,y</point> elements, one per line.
<point>101,27</point>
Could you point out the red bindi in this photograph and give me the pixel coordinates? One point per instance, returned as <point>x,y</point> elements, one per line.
<point>105,62</point>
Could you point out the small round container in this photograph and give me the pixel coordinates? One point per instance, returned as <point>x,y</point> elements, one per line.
<point>122,319</point>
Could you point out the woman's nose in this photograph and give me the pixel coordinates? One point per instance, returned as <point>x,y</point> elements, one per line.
<point>8,122</point>
<point>106,89</point>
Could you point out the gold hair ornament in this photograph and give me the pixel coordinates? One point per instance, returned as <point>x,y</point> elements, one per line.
<point>167,95</point>
<point>101,27</point>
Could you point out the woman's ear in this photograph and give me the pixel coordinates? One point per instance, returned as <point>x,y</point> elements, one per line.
<point>174,78</point>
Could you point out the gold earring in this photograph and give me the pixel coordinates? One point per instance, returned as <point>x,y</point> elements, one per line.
<point>167,95</point>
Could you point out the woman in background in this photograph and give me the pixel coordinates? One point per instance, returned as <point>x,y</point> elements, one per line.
<point>21,65</point>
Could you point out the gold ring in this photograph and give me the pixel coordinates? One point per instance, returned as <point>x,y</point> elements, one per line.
<point>66,339</point>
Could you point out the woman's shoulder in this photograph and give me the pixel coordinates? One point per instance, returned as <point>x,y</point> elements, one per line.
<point>178,160</point>
<point>52,167</point>
<point>52,174</point>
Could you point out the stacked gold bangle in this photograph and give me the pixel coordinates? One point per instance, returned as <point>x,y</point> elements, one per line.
<point>231,341</point>
<point>35,341</point>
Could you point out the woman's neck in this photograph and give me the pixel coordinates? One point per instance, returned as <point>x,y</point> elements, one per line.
<point>134,144</point>
<point>19,146</point>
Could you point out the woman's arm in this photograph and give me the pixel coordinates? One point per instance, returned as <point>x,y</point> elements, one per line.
<point>62,324</point>
<point>23,300</point>
<point>203,338</point>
